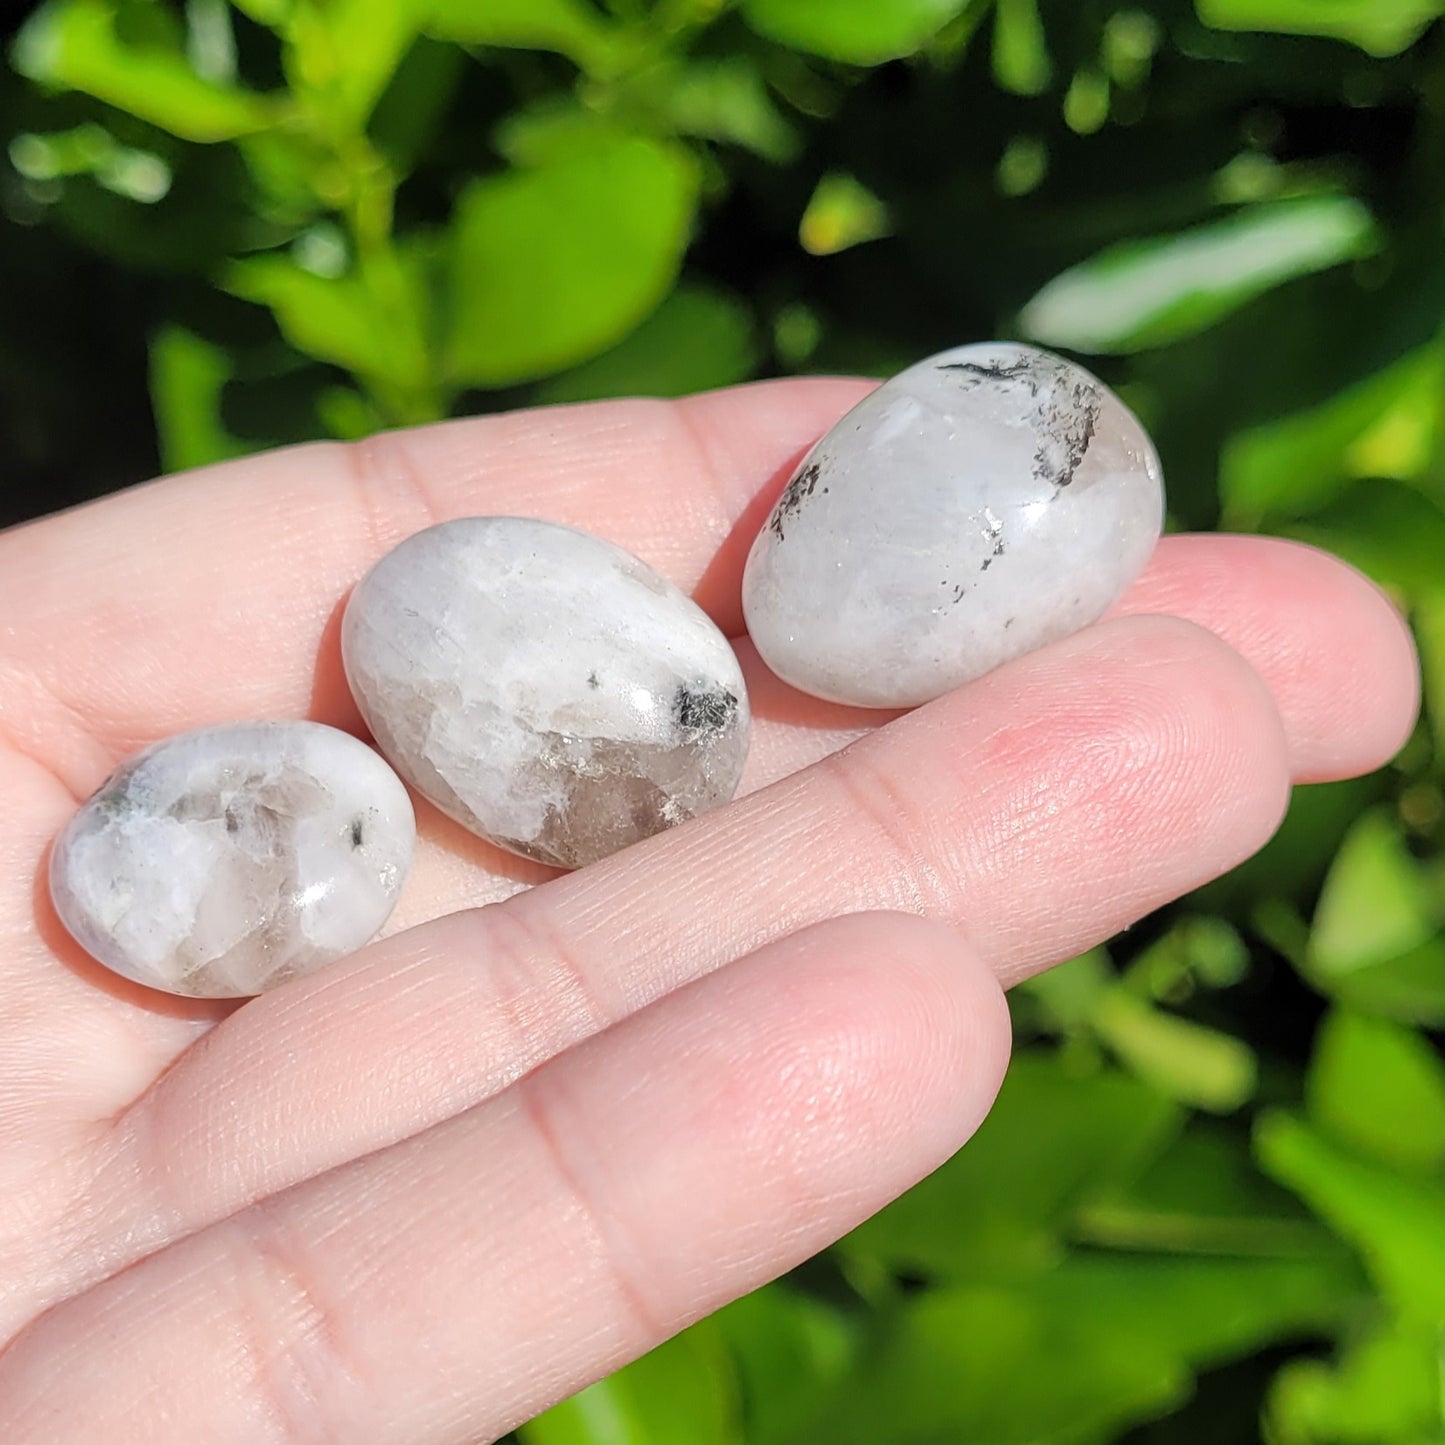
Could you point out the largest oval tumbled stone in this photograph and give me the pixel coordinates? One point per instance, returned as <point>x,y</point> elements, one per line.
<point>544,688</point>
<point>980,504</point>
<point>221,862</point>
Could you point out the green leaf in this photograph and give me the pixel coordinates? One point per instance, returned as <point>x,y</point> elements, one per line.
<point>553,265</point>
<point>1386,528</point>
<point>699,338</point>
<point>1142,294</point>
<point>568,27</point>
<point>1385,1388</point>
<point>74,45</point>
<point>1078,1353</point>
<point>1001,1367</point>
<point>841,213</point>
<point>1021,61</point>
<point>369,322</point>
<point>1185,1060</point>
<point>683,1390</point>
<point>1375,905</point>
<point>861,32</point>
<point>723,100</point>
<point>1430,633</point>
<point>187,375</point>
<point>1197,949</point>
<point>1070,993</point>
<point>1380,1088</point>
<point>1394,1220</point>
<point>1382,27</point>
<point>1382,426</point>
<point>1056,1140</point>
<point>1409,988</point>
<point>342,54</point>
<point>1203,1195</point>
<point>789,1351</point>
<point>1204,1311</point>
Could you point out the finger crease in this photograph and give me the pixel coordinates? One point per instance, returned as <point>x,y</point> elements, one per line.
<point>555,1003</point>
<point>590,1218</point>
<point>292,1338</point>
<point>874,796</point>
<point>394,497</point>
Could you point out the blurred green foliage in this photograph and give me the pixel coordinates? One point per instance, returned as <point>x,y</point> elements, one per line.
<point>1210,1205</point>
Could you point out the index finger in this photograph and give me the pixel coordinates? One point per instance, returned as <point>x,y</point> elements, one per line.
<point>208,596</point>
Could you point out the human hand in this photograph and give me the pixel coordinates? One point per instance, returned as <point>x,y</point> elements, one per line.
<point>420,1195</point>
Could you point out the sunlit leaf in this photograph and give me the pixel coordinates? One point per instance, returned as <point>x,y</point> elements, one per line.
<point>1185,1060</point>
<point>1056,1140</point>
<point>1141,294</point>
<point>1394,532</point>
<point>724,100</point>
<point>552,265</point>
<point>1021,62</point>
<point>1380,1088</point>
<point>1383,27</point>
<point>684,1390</point>
<point>1393,1220</point>
<point>570,27</point>
<point>344,53</point>
<point>842,212</point>
<point>1386,1388</point>
<point>1375,905</point>
<point>187,374</point>
<point>1384,426</point>
<point>74,45</point>
<point>697,339</point>
<point>862,32</point>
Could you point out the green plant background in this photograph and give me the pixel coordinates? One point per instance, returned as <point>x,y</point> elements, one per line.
<point>1210,1205</point>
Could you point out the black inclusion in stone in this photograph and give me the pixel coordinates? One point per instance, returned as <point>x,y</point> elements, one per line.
<point>1020,370</point>
<point>1067,425</point>
<point>794,495</point>
<point>358,831</point>
<point>698,710</point>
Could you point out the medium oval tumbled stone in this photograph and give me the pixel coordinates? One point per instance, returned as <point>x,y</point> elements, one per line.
<point>544,688</point>
<point>980,504</point>
<point>222,862</point>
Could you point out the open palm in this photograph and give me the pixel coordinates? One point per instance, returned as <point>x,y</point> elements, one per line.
<point>532,1131</point>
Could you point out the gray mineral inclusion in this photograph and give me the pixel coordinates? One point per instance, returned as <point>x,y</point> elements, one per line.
<point>980,504</point>
<point>544,688</point>
<point>221,862</point>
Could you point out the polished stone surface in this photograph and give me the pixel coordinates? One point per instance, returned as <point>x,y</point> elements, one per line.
<point>224,861</point>
<point>544,688</point>
<point>982,503</point>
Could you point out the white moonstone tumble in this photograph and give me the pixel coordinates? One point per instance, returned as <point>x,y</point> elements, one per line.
<point>980,504</point>
<point>224,861</point>
<point>544,688</point>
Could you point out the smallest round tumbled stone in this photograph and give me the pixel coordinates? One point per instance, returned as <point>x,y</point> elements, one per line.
<point>224,861</point>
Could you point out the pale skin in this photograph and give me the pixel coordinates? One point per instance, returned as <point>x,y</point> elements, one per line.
<point>533,1131</point>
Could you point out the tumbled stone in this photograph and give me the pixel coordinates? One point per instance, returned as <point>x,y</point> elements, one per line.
<point>982,503</point>
<point>544,688</point>
<point>221,862</point>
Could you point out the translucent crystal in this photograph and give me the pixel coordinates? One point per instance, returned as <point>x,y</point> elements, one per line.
<point>221,862</point>
<point>543,687</point>
<point>980,504</point>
